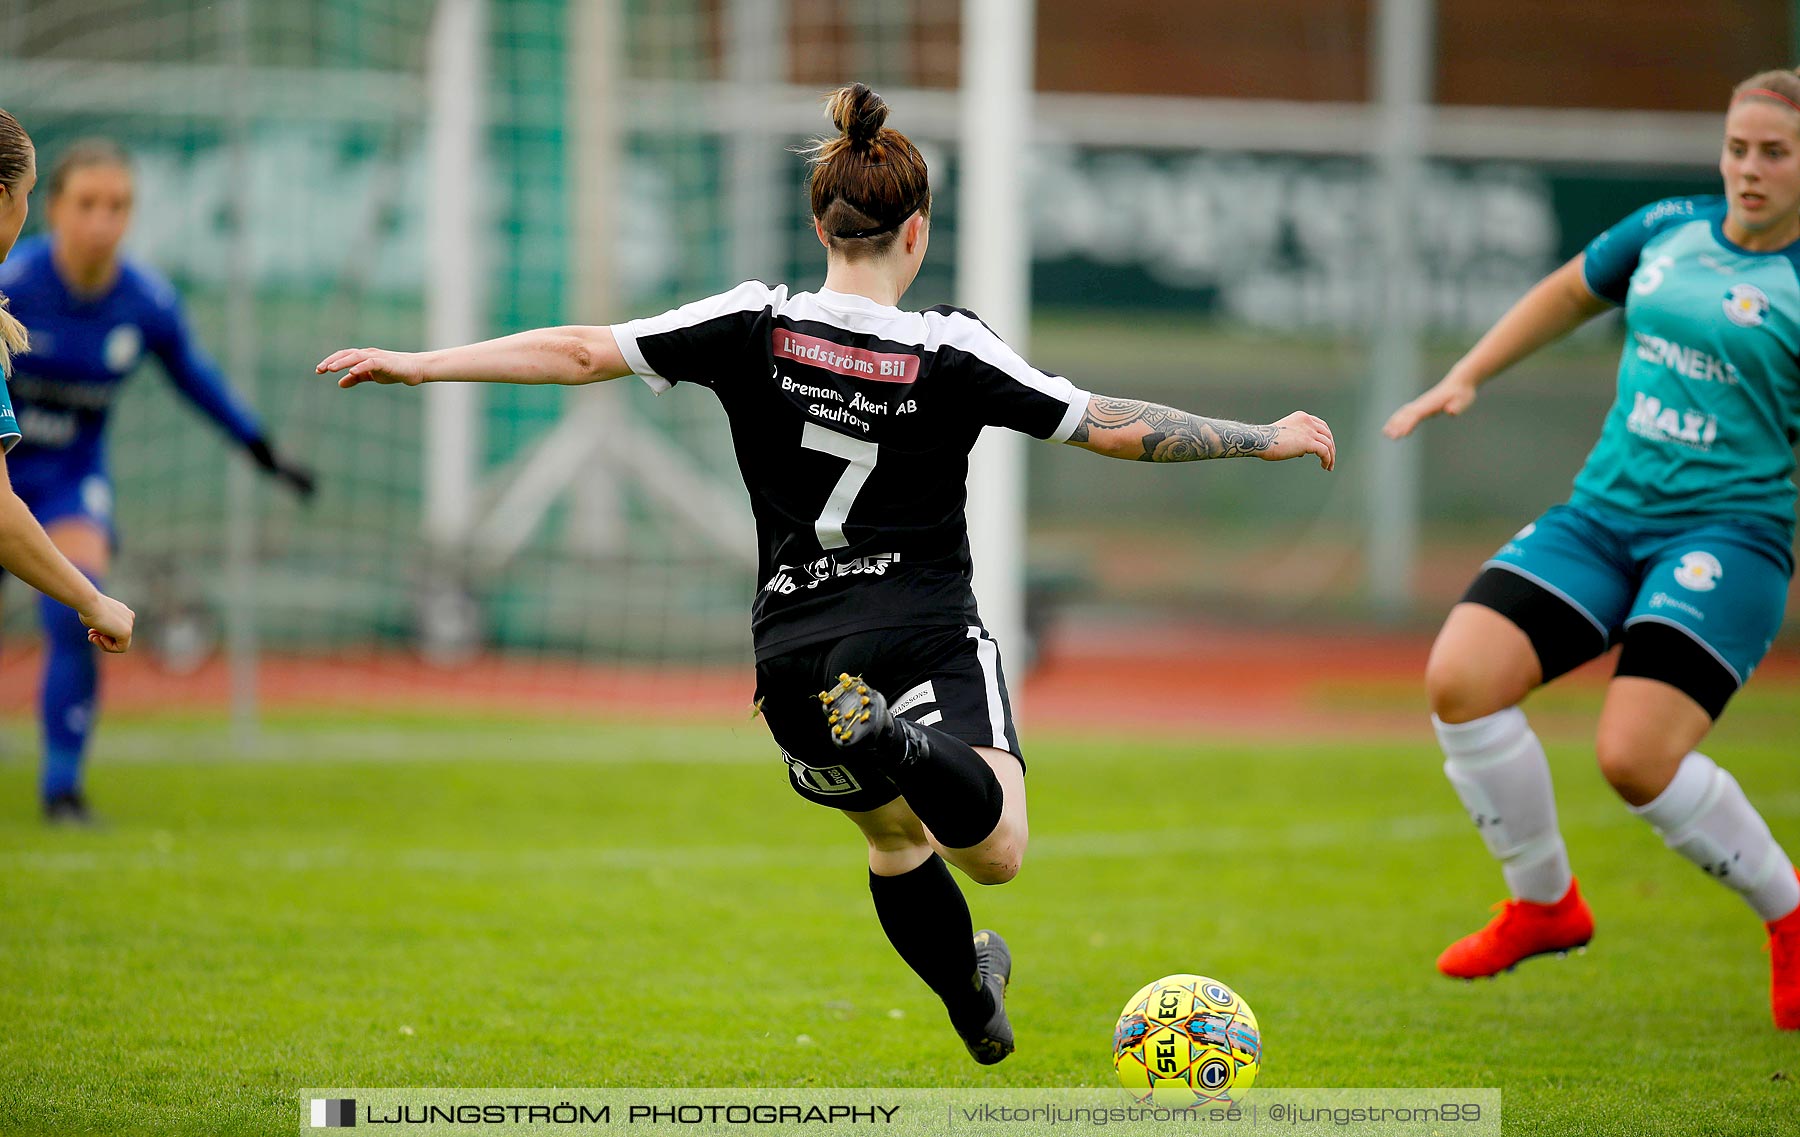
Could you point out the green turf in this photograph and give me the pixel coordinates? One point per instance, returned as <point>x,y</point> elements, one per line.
<point>393,902</point>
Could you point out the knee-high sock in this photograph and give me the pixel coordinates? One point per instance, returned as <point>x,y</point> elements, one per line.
<point>1703,815</point>
<point>927,920</point>
<point>1497,767</point>
<point>67,702</point>
<point>948,784</point>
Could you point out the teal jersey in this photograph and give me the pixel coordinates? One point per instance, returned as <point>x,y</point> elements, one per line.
<point>1708,406</point>
<point>9,422</point>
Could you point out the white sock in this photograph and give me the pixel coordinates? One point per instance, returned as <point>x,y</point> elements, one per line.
<point>1497,767</point>
<point>1704,815</point>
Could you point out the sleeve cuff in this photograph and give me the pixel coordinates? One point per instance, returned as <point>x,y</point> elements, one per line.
<point>1588,283</point>
<point>1078,405</point>
<point>626,338</point>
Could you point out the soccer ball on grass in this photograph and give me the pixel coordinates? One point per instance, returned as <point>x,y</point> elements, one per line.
<point>1186,1040</point>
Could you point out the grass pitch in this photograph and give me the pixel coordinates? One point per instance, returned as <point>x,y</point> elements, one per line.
<point>401,901</point>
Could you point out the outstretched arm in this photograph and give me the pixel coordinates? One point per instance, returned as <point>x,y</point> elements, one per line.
<point>1555,306</point>
<point>1149,432</point>
<point>568,355</point>
<point>27,553</point>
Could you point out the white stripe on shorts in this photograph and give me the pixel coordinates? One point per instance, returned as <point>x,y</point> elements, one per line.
<point>987,653</point>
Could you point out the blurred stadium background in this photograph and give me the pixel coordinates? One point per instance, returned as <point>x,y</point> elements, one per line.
<point>1213,204</point>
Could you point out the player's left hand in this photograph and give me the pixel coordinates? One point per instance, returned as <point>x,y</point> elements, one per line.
<point>1301,433</point>
<point>296,477</point>
<point>288,472</point>
<point>374,365</point>
<point>109,623</point>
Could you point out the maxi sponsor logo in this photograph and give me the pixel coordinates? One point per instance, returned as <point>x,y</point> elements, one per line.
<point>1650,419</point>
<point>856,362</point>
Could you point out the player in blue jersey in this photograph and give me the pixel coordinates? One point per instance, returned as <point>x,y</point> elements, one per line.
<point>93,315</point>
<point>1677,545</point>
<point>26,550</point>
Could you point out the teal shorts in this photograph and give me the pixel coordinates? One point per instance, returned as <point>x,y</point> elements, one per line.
<point>1720,584</point>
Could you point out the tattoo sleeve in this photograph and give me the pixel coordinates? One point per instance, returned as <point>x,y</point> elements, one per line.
<point>1148,432</point>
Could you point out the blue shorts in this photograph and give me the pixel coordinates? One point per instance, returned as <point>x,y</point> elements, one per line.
<point>1723,584</point>
<point>60,490</point>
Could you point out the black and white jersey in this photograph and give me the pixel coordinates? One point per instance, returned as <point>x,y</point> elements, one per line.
<point>852,422</point>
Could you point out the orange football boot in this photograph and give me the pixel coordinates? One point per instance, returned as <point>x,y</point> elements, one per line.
<point>1524,929</point>
<point>1784,970</point>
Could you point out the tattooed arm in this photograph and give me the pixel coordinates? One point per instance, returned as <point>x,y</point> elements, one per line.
<point>1149,432</point>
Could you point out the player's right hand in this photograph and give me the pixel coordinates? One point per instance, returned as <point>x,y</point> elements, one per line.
<point>1451,396</point>
<point>110,624</point>
<point>1301,433</point>
<point>373,365</point>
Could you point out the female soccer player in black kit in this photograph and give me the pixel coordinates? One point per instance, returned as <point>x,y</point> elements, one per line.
<point>852,420</point>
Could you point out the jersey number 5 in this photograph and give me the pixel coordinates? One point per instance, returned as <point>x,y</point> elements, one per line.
<point>861,456</point>
<point>1650,277</point>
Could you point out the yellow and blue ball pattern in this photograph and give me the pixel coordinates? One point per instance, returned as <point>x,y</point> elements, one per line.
<point>1186,1040</point>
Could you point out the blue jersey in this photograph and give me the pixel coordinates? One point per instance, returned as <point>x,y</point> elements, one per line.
<point>1708,406</point>
<point>83,347</point>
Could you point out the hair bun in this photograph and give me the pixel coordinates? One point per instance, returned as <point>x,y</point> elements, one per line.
<point>858,112</point>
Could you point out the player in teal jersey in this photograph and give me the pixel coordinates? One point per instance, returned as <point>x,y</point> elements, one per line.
<point>25,550</point>
<point>1677,544</point>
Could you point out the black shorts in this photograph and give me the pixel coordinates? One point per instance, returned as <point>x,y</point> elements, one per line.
<point>946,677</point>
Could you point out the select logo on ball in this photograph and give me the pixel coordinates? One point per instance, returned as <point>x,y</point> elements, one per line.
<point>1186,1040</point>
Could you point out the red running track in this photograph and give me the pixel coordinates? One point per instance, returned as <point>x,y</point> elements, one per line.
<point>1155,676</point>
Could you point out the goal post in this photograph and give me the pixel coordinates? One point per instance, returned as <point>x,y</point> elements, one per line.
<point>455,78</point>
<point>993,278</point>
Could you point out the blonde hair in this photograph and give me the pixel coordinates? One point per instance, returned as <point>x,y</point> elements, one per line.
<point>1781,87</point>
<point>16,156</point>
<point>14,340</point>
<point>867,180</point>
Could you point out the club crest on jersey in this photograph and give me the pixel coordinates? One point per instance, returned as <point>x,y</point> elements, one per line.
<point>1746,305</point>
<point>121,348</point>
<point>1699,572</point>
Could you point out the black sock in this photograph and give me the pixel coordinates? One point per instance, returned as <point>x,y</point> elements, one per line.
<point>950,786</point>
<point>927,920</point>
